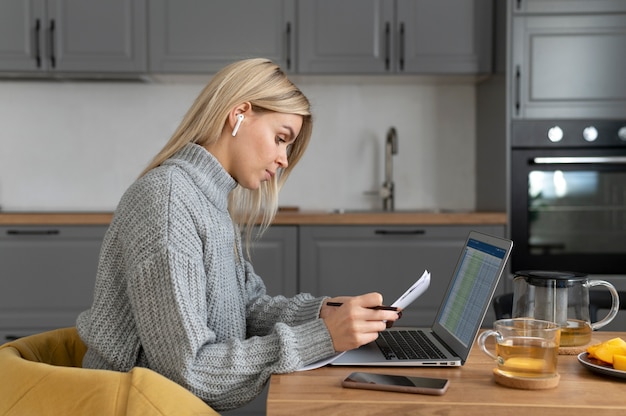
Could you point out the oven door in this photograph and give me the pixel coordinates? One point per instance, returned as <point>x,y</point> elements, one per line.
<point>568,210</point>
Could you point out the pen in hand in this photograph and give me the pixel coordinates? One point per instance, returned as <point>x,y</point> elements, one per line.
<point>378,308</point>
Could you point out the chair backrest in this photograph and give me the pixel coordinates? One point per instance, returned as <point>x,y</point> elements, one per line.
<point>41,375</point>
<point>598,299</point>
<point>503,305</point>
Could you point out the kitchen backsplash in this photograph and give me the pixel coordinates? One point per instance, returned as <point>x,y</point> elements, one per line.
<point>76,146</point>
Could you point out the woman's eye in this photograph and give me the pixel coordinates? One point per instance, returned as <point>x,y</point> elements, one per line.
<point>279,139</point>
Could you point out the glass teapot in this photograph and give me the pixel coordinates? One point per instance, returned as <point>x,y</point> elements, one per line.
<point>561,297</point>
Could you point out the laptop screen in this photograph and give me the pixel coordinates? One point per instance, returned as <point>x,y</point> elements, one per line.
<point>471,288</point>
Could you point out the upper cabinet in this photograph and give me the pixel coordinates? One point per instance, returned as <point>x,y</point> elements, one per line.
<point>400,36</point>
<point>188,36</point>
<point>41,37</point>
<point>100,37</point>
<point>567,59</point>
<point>568,6</point>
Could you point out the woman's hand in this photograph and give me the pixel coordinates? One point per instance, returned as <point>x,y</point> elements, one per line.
<point>353,323</point>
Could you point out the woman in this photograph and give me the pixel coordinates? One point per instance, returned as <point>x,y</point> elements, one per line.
<point>173,290</point>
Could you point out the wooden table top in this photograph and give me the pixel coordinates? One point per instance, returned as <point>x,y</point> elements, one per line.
<point>472,391</point>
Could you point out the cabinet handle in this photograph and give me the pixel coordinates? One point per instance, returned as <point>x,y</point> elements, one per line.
<point>387,46</point>
<point>51,30</point>
<point>402,47</point>
<point>518,81</point>
<point>399,232</point>
<point>288,57</point>
<point>37,45</point>
<point>33,232</point>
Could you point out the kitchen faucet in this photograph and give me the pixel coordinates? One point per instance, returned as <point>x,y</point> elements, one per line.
<point>387,190</point>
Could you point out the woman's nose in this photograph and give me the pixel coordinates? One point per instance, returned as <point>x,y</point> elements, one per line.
<point>282,160</point>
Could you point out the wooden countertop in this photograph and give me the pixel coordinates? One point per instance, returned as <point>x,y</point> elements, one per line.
<point>283,218</point>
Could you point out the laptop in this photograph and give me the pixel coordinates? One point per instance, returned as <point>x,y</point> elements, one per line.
<point>449,341</point>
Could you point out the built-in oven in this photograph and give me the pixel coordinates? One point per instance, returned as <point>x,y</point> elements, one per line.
<point>568,195</point>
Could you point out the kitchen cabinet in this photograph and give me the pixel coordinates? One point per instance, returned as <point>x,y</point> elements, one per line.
<point>352,260</point>
<point>44,37</point>
<point>47,276</point>
<point>400,36</point>
<point>567,59</point>
<point>275,258</point>
<point>190,36</point>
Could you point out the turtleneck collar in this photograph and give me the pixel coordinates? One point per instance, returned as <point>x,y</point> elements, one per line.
<point>206,172</point>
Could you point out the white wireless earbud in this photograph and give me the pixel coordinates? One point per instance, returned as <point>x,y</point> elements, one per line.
<point>237,124</point>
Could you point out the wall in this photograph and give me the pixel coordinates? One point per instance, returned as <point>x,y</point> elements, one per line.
<point>76,146</point>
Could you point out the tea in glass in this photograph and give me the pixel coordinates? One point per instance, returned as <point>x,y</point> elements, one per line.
<point>575,332</point>
<point>527,357</point>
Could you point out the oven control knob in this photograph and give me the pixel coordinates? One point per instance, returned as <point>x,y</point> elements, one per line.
<point>590,134</point>
<point>555,134</point>
<point>622,134</point>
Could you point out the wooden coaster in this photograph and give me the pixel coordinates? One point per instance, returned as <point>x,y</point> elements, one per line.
<point>526,383</point>
<point>575,350</point>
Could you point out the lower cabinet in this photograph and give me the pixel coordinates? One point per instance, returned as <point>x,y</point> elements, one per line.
<point>275,258</point>
<point>352,260</point>
<point>47,276</point>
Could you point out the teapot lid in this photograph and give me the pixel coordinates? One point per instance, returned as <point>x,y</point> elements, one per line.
<point>539,277</point>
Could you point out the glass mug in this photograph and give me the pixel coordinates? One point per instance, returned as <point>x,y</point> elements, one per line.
<point>525,347</point>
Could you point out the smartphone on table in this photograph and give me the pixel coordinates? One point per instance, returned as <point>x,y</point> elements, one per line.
<point>403,384</point>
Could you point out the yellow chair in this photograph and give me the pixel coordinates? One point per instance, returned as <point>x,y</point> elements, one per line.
<point>42,375</point>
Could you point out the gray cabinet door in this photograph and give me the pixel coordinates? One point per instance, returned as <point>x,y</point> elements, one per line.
<point>567,66</point>
<point>445,36</point>
<point>21,25</point>
<point>275,258</point>
<point>346,36</point>
<point>401,36</point>
<point>189,36</point>
<point>352,260</point>
<point>97,36</point>
<point>47,276</point>
<point>42,36</point>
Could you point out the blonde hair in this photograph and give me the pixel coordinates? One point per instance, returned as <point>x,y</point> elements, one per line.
<point>263,84</point>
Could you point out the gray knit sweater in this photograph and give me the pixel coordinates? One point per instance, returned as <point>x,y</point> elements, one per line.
<point>171,294</point>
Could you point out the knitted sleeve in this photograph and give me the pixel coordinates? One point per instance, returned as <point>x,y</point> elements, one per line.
<point>264,311</point>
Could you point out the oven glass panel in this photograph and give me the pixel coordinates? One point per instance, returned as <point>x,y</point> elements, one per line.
<point>576,212</point>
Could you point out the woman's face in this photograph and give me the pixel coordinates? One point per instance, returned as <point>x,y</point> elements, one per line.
<point>260,146</point>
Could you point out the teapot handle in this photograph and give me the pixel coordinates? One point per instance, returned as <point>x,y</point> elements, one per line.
<point>614,304</point>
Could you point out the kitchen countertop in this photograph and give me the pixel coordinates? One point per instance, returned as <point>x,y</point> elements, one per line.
<point>288,217</point>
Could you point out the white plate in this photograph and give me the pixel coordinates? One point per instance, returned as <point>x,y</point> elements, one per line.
<point>598,367</point>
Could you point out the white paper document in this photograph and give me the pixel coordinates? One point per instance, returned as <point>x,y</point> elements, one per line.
<point>402,302</point>
<point>414,291</point>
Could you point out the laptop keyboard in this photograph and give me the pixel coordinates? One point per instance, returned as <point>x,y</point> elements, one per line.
<point>404,345</point>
